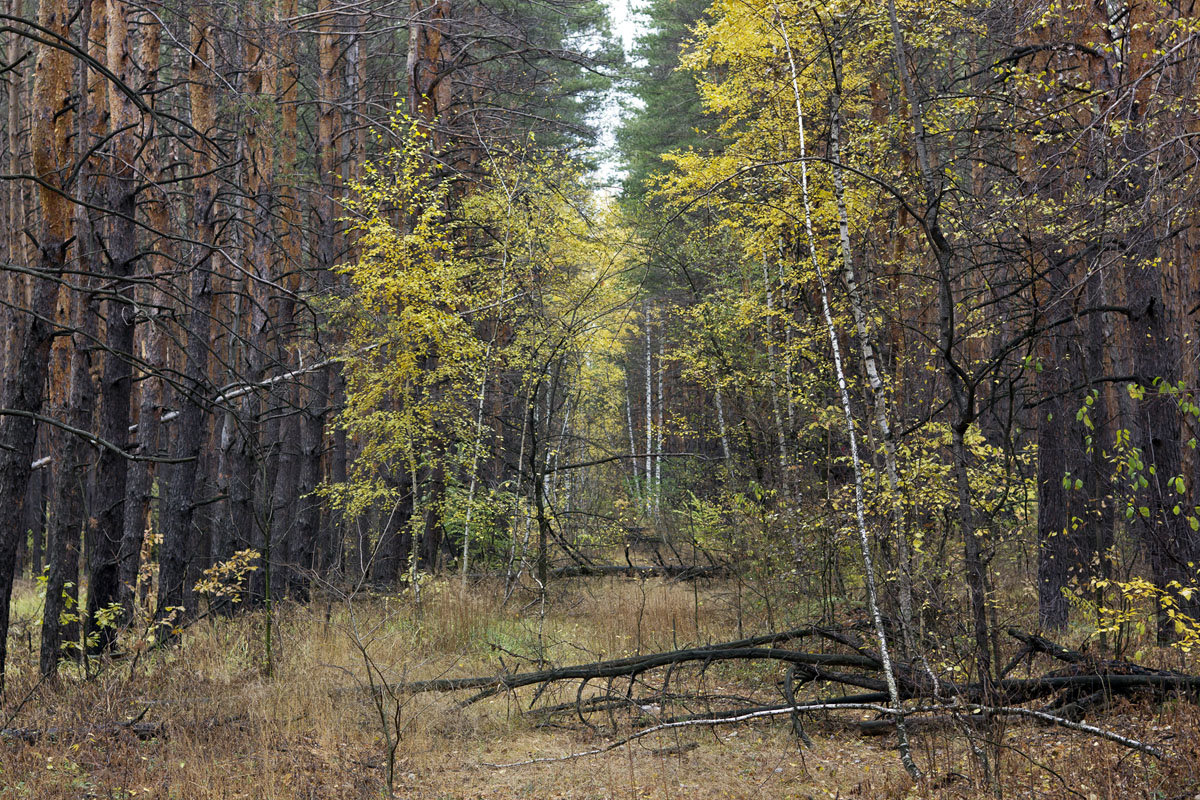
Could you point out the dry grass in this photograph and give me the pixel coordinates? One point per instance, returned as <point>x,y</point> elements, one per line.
<point>309,731</point>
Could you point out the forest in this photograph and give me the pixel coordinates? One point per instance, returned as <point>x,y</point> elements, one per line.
<point>487,398</point>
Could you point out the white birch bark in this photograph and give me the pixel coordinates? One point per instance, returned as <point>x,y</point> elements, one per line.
<point>649,470</point>
<point>509,576</point>
<point>721,424</point>
<point>787,351</point>
<point>632,441</point>
<point>562,438</point>
<point>658,444</point>
<point>773,366</point>
<point>866,341</point>
<point>466,548</point>
<point>859,502</point>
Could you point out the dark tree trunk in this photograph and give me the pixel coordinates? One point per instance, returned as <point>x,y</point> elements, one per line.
<point>1054,556</point>
<point>1066,482</point>
<point>112,471</point>
<point>139,480</point>
<point>75,489</point>
<point>1067,487</point>
<point>138,492</point>
<point>236,528</point>
<point>433,535</point>
<point>334,557</point>
<point>284,500</point>
<point>390,557</point>
<point>34,526</point>
<point>1171,546</point>
<point>1097,484</point>
<point>31,335</point>
<point>66,526</point>
<point>23,389</point>
<point>303,543</point>
<point>178,510</point>
<point>104,547</point>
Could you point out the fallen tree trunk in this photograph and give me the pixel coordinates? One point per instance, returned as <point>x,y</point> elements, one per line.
<point>1086,677</point>
<point>524,679</point>
<point>674,571</point>
<point>631,667</point>
<point>882,727</point>
<point>142,730</point>
<point>1067,696</point>
<point>1037,644</point>
<point>1026,690</point>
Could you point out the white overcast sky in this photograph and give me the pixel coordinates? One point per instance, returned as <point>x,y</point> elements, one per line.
<point>624,21</point>
<point>625,25</point>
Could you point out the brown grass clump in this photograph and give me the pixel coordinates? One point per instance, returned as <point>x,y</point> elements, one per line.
<point>226,730</point>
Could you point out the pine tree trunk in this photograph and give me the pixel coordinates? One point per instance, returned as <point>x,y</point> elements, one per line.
<point>391,553</point>
<point>36,498</point>
<point>140,477</point>
<point>117,381</point>
<point>307,530</point>
<point>178,507</point>
<point>24,382</point>
<point>67,522</point>
<point>1171,546</point>
<point>283,496</point>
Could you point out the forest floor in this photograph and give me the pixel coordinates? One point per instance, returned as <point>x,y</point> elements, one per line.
<point>210,723</point>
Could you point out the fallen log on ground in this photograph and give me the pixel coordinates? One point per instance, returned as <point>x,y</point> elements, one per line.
<point>142,730</point>
<point>1067,696</point>
<point>883,727</point>
<point>1037,644</point>
<point>1085,677</point>
<point>631,667</point>
<point>650,690</point>
<point>674,571</point>
<point>1029,689</point>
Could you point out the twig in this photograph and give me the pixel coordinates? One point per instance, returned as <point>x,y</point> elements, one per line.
<point>691,723</point>
<point>767,713</point>
<point>1082,727</point>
